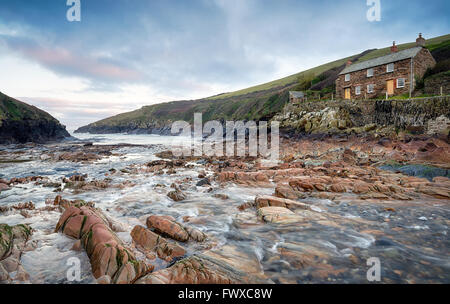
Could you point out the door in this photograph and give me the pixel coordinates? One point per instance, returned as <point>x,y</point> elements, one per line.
<point>347,93</point>
<point>390,87</point>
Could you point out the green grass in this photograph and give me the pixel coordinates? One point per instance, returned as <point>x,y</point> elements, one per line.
<point>446,73</point>
<point>286,80</point>
<point>431,43</point>
<point>438,44</point>
<point>15,110</point>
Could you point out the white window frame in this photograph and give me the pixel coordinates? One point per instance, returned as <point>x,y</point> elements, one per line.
<point>370,74</point>
<point>347,77</point>
<point>390,65</point>
<point>404,83</point>
<point>358,90</point>
<point>369,90</point>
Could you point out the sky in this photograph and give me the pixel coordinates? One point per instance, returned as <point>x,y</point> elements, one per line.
<point>125,54</point>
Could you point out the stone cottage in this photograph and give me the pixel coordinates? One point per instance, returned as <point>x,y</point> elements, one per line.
<point>296,96</point>
<point>393,74</point>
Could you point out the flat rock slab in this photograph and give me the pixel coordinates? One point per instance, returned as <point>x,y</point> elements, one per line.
<point>273,201</point>
<point>225,265</point>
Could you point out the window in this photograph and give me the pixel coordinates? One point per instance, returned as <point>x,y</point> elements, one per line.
<point>390,68</point>
<point>347,77</point>
<point>370,88</point>
<point>401,83</point>
<point>369,72</point>
<point>358,90</point>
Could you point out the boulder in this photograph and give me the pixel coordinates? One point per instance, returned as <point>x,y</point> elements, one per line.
<point>277,215</point>
<point>203,182</point>
<point>152,242</point>
<point>167,227</point>
<point>107,254</point>
<point>195,234</point>
<point>272,201</point>
<point>285,191</point>
<point>177,195</point>
<point>13,241</point>
<point>225,265</point>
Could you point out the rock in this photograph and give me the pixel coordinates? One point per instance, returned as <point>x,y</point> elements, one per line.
<point>177,195</point>
<point>221,266</point>
<point>338,188</point>
<point>267,201</point>
<point>277,215</point>
<point>441,193</point>
<point>4,275</point>
<point>4,187</point>
<point>104,280</point>
<point>22,275</point>
<point>204,182</point>
<point>107,253</point>
<point>152,242</point>
<point>285,191</point>
<point>195,234</point>
<point>168,228</point>
<point>245,206</point>
<point>221,196</point>
<point>360,187</point>
<point>301,185</point>
<point>13,241</point>
<point>77,246</point>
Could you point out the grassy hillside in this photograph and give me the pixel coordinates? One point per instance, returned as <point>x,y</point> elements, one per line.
<point>22,123</point>
<point>15,110</point>
<point>254,103</point>
<point>431,44</point>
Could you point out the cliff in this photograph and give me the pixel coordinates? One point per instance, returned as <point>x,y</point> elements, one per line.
<point>22,123</point>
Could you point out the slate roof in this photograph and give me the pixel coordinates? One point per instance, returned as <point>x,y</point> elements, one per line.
<point>401,55</point>
<point>297,94</point>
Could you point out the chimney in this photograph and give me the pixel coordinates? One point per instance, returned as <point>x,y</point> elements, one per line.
<point>394,48</point>
<point>420,41</point>
<point>349,63</point>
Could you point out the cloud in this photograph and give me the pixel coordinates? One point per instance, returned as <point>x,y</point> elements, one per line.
<point>66,62</point>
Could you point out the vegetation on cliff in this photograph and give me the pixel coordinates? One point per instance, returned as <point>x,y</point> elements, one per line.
<point>21,122</point>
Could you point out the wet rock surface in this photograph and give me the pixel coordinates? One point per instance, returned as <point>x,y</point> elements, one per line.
<point>107,253</point>
<point>13,242</point>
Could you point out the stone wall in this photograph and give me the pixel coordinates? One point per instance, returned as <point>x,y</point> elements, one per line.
<point>335,116</point>
<point>422,62</point>
<point>440,125</point>
<point>434,83</point>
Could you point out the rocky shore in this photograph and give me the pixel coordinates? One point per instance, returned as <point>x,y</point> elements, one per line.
<point>137,214</point>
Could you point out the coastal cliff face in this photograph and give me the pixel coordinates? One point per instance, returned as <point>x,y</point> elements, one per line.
<point>22,123</point>
<point>417,116</point>
<point>157,128</point>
